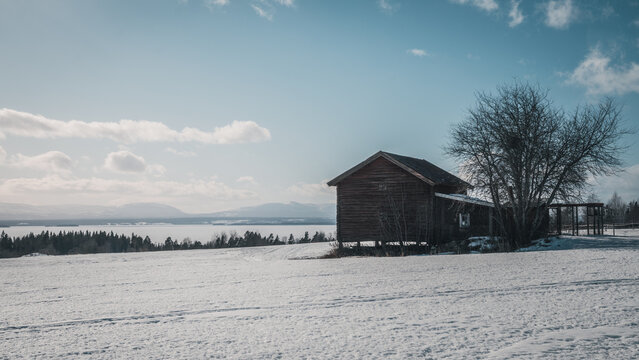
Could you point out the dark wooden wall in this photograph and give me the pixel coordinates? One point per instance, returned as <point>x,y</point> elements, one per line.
<point>382,188</point>
<point>447,226</point>
<point>366,195</point>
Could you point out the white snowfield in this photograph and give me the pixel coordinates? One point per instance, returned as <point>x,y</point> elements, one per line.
<point>253,303</point>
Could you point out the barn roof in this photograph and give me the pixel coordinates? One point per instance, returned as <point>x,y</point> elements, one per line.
<point>466,199</point>
<point>420,168</point>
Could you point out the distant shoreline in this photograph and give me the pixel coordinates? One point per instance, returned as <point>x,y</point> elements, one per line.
<point>173,221</point>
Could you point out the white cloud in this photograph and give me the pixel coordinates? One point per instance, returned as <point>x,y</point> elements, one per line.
<point>25,124</point>
<point>487,5</point>
<point>417,52</point>
<point>559,14</point>
<point>321,190</point>
<point>213,4</point>
<point>515,14</point>
<point>182,153</point>
<point>51,161</point>
<point>3,155</point>
<point>387,6</point>
<point>247,180</point>
<point>262,12</point>
<point>124,161</point>
<point>626,184</point>
<point>288,3</point>
<point>266,8</point>
<point>599,77</point>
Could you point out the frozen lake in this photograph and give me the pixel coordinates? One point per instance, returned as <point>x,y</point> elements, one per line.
<point>159,232</point>
<point>254,303</point>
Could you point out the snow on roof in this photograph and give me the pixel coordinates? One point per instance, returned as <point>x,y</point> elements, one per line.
<point>465,198</point>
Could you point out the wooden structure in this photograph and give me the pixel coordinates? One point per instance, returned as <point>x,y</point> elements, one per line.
<point>394,198</point>
<point>594,217</point>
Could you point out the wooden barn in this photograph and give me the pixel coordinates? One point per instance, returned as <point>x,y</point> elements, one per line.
<point>399,199</point>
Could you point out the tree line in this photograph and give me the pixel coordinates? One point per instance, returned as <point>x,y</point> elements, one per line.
<point>86,242</point>
<point>622,212</point>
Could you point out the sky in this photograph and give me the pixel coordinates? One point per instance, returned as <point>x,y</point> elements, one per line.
<point>210,105</point>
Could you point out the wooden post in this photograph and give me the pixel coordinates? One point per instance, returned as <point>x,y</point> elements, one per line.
<point>599,224</point>
<point>490,222</point>
<point>577,220</point>
<point>601,221</point>
<point>587,220</point>
<point>558,220</point>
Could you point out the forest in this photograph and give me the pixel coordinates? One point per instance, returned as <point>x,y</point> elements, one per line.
<point>86,242</point>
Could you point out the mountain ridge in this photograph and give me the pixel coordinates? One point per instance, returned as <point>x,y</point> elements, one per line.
<point>26,212</point>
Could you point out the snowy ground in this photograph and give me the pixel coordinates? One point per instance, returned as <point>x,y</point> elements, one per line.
<point>624,238</point>
<point>254,303</point>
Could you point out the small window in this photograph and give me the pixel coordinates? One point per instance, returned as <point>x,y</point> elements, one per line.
<point>381,187</point>
<point>464,221</point>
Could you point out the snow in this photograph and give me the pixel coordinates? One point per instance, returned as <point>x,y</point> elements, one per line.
<point>256,303</point>
<point>625,238</point>
<point>482,244</point>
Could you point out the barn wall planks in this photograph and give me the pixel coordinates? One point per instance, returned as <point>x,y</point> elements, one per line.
<point>377,189</point>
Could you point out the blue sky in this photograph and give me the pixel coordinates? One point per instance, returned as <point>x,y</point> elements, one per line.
<point>210,105</point>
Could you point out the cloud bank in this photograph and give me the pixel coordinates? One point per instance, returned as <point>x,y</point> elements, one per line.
<point>51,161</point>
<point>25,124</point>
<point>27,189</point>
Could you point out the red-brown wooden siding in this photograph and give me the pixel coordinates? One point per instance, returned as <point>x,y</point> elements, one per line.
<point>362,195</point>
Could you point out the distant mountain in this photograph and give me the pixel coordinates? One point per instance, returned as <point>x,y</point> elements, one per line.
<point>16,212</point>
<point>281,210</point>
<point>9,211</point>
<point>148,210</point>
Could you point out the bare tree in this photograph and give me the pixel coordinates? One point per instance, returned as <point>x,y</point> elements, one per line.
<point>593,198</point>
<point>401,220</point>
<point>392,216</point>
<point>523,152</point>
<point>616,210</point>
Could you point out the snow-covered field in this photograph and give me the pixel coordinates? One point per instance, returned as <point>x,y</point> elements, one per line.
<point>254,303</point>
